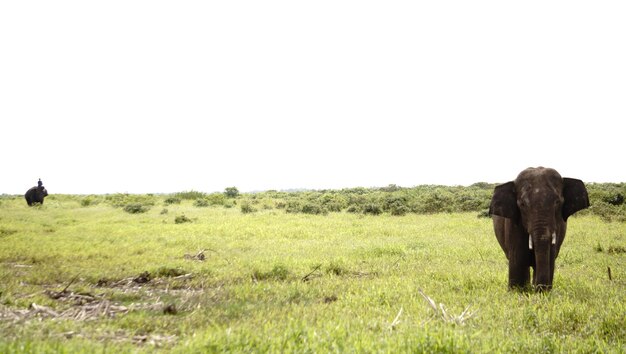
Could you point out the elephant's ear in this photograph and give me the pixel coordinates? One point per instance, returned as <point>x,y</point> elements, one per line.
<point>504,201</point>
<point>575,197</point>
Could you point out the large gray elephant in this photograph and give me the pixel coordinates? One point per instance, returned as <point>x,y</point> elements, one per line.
<point>530,219</point>
<point>35,195</point>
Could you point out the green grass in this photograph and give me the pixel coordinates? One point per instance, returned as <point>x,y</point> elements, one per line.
<point>279,282</point>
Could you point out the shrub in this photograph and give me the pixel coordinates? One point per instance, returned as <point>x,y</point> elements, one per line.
<point>89,200</point>
<point>354,209</point>
<point>305,207</point>
<point>608,212</point>
<point>216,198</point>
<point>616,249</point>
<point>312,208</point>
<point>333,202</point>
<point>293,207</point>
<point>355,202</point>
<point>373,209</point>
<point>470,200</point>
<point>181,219</point>
<point>189,195</point>
<point>201,203</point>
<point>279,272</point>
<point>171,200</point>
<point>484,213</point>
<point>7,232</point>
<point>169,272</point>
<point>484,185</point>
<point>598,248</point>
<point>247,208</point>
<point>136,208</point>
<point>391,188</point>
<point>396,204</point>
<point>399,210</point>
<point>435,200</point>
<point>266,204</point>
<point>121,200</point>
<point>615,199</point>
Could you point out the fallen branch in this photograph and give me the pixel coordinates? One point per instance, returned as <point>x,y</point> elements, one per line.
<point>310,275</point>
<point>55,295</point>
<point>70,283</point>
<point>183,277</point>
<point>199,256</point>
<point>43,310</point>
<point>396,321</point>
<point>431,302</point>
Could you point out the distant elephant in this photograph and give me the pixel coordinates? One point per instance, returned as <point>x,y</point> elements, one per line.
<point>530,219</point>
<point>35,195</point>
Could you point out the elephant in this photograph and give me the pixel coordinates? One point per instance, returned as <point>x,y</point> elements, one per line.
<point>35,195</point>
<point>530,219</point>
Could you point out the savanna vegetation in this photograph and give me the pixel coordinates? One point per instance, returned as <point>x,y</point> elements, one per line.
<point>356,270</point>
<point>607,200</point>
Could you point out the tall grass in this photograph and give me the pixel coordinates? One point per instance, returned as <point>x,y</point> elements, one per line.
<point>284,282</point>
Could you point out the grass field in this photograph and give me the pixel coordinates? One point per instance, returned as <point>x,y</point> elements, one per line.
<point>76,278</point>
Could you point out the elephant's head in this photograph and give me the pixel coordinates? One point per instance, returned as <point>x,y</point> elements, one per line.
<point>538,202</point>
<point>42,191</point>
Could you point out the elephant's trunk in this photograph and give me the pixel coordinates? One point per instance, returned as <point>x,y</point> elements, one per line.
<point>544,249</point>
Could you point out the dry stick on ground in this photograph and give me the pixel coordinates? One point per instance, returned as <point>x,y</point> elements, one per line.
<point>70,283</point>
<point>307,277</point>
<point>608,269</point>
<point>59,294</point>
<point>43,309</point>
<point>22,266</point>
<point>441,311</point>
<point>396,321</point>
<point>430,301</point>
<point>30,295</point>
<point>183,277</point>
<point>200,255</point>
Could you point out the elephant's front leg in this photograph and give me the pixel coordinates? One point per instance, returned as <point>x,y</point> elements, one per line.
<point>519,261</point>
<point>550,271</point>
<point>519,273</point>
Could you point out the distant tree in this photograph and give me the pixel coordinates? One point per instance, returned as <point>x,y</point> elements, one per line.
<point>231,192</point>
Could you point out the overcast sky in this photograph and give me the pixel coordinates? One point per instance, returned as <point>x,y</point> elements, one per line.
<point>167,96</point>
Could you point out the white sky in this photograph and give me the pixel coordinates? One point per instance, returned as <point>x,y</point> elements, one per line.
<point>167,96</point>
